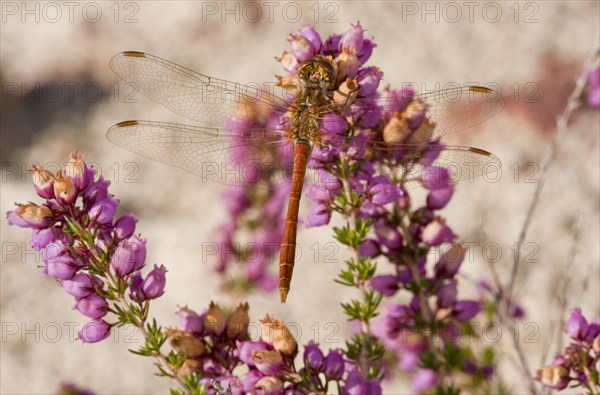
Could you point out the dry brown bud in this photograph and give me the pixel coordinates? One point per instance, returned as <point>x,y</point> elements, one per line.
<point>185,342</point>
<point>237,323</point>
<point>214,320</point>
<point>277,333</point>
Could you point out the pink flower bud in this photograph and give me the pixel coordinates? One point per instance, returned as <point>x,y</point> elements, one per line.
<point>93,306</point>
<point>436,232</point>
<point>103,210</point>
<point>94,331</point>
<point>190,320</point>
<point>154,284</point>
<point>129,256</point>
<point>301,47</point>
<point>43,181</point>
<point>353,38</point>
<point>577,326</point>
<point>125,226</point>
<point>78,172</point>
<point>269,362</point>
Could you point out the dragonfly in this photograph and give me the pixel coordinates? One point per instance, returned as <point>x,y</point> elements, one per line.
<point>224,149</point>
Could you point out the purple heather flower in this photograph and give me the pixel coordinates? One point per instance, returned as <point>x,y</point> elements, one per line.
<point>368,81</point>
<point>125,226</point>
<point>593,95</point>
<point>30,216</point>
<point>318,216</point>
<point>236,200</point>
<point>313,356</point>
<point>103,210</point>
<point>302,48</point>
<point>465,310</point>
<point>373,387</point>
<point>333,365</point>
<point>154,284</point>
<point>331,44</point>
<point>408,361</point>
<point>96,191</point>
<point>369,114</point>
<point>250,379</point>
<point>79,172</point>
<point>269,385</point>
<point>352,39</point>
<point>388,236</point>
<point>334,124</point>
<point>436,232</point>
<point>94,331</point>
<point>435,177</point>
<point>245,350</point>
<point>58,262</point>
<point>577,326</point>
<point>255,267</point>
<point>129,256</point>
<point>446,296</point>
<point>318,194</point>
<point>369,248</point>
<point>423,380</point>
<point>190,321</point>
<point>269,362</point>
<point>383,191</point>
<point>40,238</point>
<point>276,203</point>
<point>81,285</point>
<point>593,331</point>
<point>439,197</point>
<point>309,32</point>
<point>43,181</point>
<point>450,261</point>
<point>386,285</point>
<point>231,383</point>
<point>135,289</point>
<point>355,384</point>
<point>366,50</point>
<point>93,306</point>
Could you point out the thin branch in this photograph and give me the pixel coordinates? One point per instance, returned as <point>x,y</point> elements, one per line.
<point>573,103</point>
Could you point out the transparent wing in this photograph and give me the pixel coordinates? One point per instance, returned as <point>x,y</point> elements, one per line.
<point>452,109</point>
<point>464,163</point>
<point>248,156</point>
<point>208,100</point>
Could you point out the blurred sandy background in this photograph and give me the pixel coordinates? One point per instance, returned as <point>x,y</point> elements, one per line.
<point>540,43</point>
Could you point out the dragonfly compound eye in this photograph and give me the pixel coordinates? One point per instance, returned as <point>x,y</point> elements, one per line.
<point>318,70</point>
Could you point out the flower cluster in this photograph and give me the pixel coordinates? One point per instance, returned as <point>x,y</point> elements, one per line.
<point>579,364</point>
<point>373,146</point>
<point>221,356</point>
<point>94,257</point>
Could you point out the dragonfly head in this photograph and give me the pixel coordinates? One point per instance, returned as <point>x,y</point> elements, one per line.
<point>317,72</point>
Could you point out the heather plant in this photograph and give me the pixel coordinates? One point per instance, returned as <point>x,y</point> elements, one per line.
<point>404,263</point>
